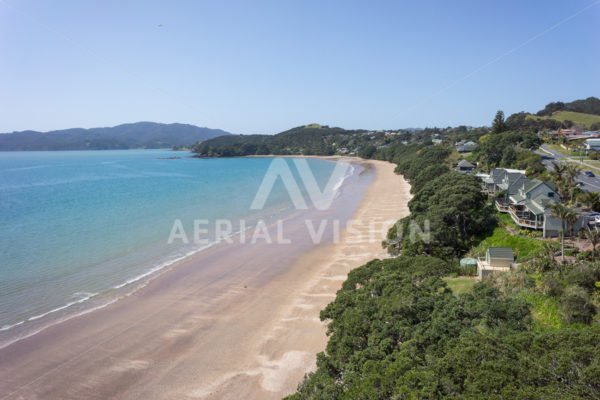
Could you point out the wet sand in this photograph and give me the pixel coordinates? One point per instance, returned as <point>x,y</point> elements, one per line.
<point>248,329</point>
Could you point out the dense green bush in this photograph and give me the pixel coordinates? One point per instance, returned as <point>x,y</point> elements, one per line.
<point>397,331</point>
<point>576,306</point>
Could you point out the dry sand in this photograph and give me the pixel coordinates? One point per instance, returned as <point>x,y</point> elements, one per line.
<point>207,333</point>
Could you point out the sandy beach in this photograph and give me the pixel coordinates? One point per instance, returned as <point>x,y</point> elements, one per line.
<point>250,330</point>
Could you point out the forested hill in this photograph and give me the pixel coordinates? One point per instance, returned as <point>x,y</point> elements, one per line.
<point>591,105</point>
<point>308,139</point>
<point>139,135</point>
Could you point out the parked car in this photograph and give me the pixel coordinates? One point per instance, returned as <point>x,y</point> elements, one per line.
<point>590,174</point>
<point>593,216</point>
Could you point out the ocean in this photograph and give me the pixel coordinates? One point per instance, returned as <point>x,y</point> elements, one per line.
<point>81,229</point>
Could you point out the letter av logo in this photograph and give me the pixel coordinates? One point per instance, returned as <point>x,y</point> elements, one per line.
<point>320,199</point>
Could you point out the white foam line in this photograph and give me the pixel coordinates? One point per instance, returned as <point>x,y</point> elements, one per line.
<point>163,266</point>
<point>35,317</point>
<point>8,343</point>
<point>72,303</point>
<point>90,295</point>
<point>7,327</point>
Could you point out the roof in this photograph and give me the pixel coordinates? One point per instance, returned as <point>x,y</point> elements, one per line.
<point>517,197</point>
<point>513,177</point>
<point>502,253</point>
<point>543,200</point>
<point>530,184</point>
<point>533,207</point>
<point>465,164</point>
<point>513,188</point>
<point>551,223</point>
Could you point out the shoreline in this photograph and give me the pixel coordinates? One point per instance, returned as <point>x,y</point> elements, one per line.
<point>101,299</point>
<point>250,334</point>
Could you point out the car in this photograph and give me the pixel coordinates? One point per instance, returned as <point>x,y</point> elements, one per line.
<point>590,174</point>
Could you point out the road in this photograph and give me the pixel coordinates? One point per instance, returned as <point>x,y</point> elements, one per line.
<point>549,156</point>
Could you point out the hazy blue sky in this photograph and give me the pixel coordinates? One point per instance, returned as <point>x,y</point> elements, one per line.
<point>264,66</point>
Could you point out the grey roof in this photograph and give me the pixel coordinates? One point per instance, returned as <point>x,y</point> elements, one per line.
<point>543,200</point>
<point>517,198</point>
<point>513,176</point>
<point>465,163</point>
<point>530,184</point>
<point>502,253</point>
<point>497,174</point>
<point>513,188</point>
<point>551,223</point>
<point>534,207</point>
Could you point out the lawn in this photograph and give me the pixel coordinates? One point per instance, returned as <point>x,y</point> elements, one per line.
<point>524,248</point>
<point>460,285</point>
<point>578,118</point>
<point>545,312</point>
<point>506,220</point>
<point>592,165</point>
<point>562,150</point>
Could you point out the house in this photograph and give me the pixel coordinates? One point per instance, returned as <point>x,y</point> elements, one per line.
<point>497,259</point>
<point>501,179</point>
<point>592,144</point>
<point>529,201</point>
<point>465,167</point>
<point>463,147</point>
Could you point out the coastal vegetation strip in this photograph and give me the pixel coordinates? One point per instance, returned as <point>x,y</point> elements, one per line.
<point>412,327</point>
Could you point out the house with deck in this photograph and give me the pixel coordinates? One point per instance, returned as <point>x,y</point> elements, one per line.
<point>500,179</point>
<point>528,202</point>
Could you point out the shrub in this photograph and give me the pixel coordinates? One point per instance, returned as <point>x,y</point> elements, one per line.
<point>571,252</point>
<point>576,306</point>
<point>585,275</point>
<point>551,286</point>
<point>512,282</point>
<point>584,255</point>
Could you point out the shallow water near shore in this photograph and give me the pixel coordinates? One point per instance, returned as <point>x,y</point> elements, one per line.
<point>80,229</point>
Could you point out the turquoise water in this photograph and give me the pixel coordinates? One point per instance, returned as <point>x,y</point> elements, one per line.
<point>80,228</point>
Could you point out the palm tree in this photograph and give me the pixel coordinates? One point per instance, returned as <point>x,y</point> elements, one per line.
<point>558,170</point>
<point>572,171</point>
<point>572,219</point>
<point>564,214</point>
<point>558,174</point>
<point>590,199</point>
<point>593,235</point>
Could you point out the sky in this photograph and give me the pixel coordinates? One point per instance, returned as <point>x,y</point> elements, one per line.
<point>266,66</point>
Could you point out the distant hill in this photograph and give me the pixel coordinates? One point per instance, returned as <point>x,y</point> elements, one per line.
<point>311,139</point>
<point>558,115</point>
<point>591,105</point>
<point>139,135</point>
<point>577,118</point>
